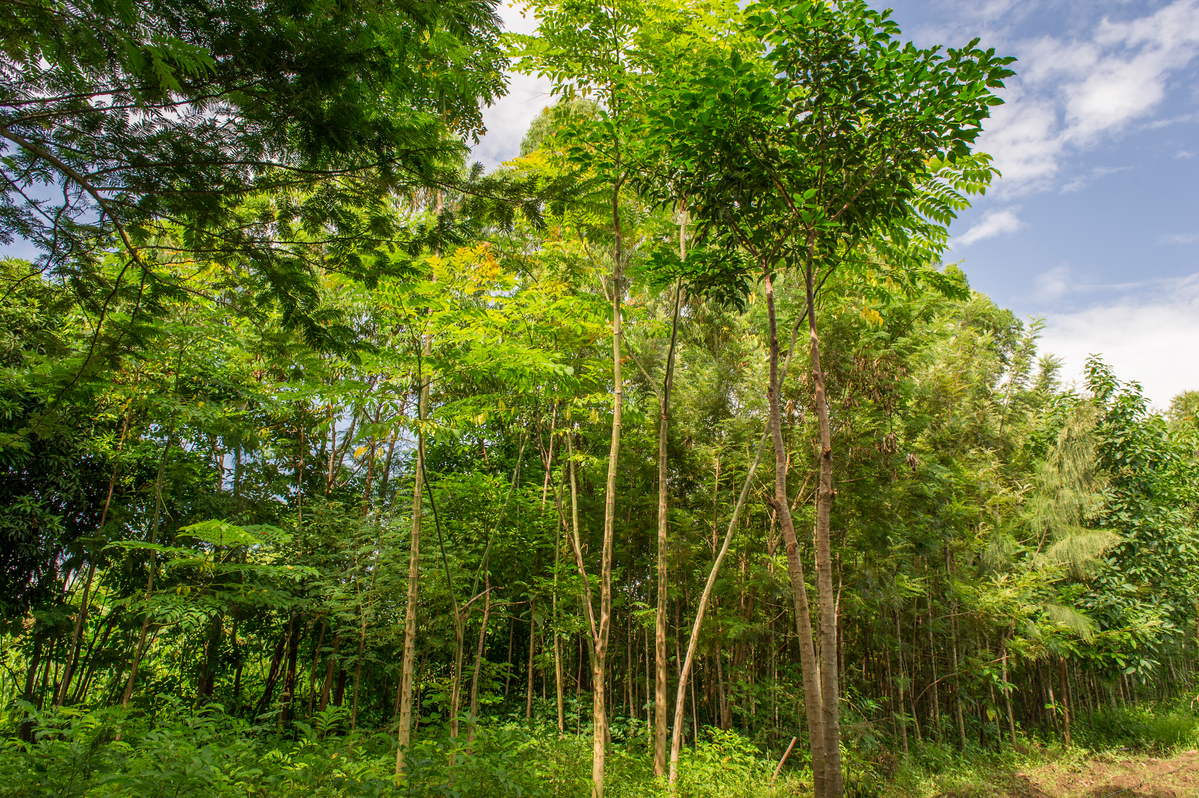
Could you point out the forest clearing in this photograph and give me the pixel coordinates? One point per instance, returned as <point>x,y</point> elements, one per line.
<point>672,456</point>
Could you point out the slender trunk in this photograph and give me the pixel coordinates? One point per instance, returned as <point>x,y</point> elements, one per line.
<point>268,689</point>
<point>508,669</point>
<point>211,649</point>
<point>957,676</point>
<point>80,618</point>
<point>685,666</point>
<point>660,661</point>
<point>84,606</point>
<point>139,652</point>
<point>558,686</point>
<point>1065,700</point>
<point>899,684</point>
<point>812,682</point>
<point>932,653</point>
<point>680,703</point>
<point>92,658</point>
<point>1007,690</point>
<point>316,653</point>
<point>408,660</point>
<point>330,667</point>
<point>474,681</point>
<point>289,682</point>
<point>532,650</point>
<point>600,659</point>
<point>830,690</point>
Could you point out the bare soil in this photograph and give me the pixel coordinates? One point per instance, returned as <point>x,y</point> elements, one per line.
<point>1104,776</point>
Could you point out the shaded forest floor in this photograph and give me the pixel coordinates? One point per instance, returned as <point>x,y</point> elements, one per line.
<point>1077,774</point>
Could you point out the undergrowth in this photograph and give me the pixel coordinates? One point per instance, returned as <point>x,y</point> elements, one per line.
<point>178,752</point>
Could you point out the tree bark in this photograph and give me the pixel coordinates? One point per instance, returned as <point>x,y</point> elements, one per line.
<point>812,682</point>
<point>830,689</point>
<point>289,682</point>
<point>408,659</point>
<point>686,665</point>
<point>660,660</point>
<point>1064,689</point>
<point>599,662</point>
<point>474,681</point>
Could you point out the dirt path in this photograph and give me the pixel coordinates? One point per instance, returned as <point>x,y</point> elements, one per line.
<point>1105,777</point>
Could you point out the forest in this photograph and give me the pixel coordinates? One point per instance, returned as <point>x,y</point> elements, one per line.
<point>667,458</point>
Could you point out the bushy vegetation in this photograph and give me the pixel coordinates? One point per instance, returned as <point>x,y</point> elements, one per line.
<point>175,751</point>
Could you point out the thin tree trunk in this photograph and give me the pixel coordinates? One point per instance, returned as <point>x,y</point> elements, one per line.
<point>830,690</point>
<point>330,667</point>
<point>408,660</point>
<point>1065,700</point>
<point>899,684</point>
<point>1007,691</point>
<point>289,682</point>
<point>532,647</point>
<point>268,689</point>
<point>84,606</point>
<point>316,653</point>
<point>685,667</point>
<point>813,684</point>
<point>957,676</point>
<point>508,670</point>
<point>660,660</point>
<point>474,682</point>
<point>932,653</point>
<point>207,682</point>
<point>139,652</point>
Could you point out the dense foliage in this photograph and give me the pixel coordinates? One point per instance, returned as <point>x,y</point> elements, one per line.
<point>280,335</point>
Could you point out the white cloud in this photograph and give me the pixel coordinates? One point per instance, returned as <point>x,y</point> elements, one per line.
<point>509,118</point>
<point>1180,238</point>
<point>1069,95</point>
<point>1082,181</point>
<point>993,224</point>
<point>1152,341</point>
<point>1053,284</point>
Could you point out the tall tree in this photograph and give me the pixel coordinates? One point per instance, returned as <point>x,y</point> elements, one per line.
<point>853,140</point>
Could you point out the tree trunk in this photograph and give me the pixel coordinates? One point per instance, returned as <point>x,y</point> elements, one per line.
<point>812,682</point>
<point>1064,689</point>
<point>211,648</point>
<point>268,689</point>
<point>1007,691</point>
<point>529,665</point>
<point>957,676</point>
<point>685,666</point>
<point>81,619</point>
<point>600,659</point>
<point>316,653</point>
<point>660,660</point>
<point>830,690</point>
<point>289,682</point>
<point>899,684</point>
<point>330,669</point>
<point>139,652</point>
<point>408,660</point>
<point>474,682</point>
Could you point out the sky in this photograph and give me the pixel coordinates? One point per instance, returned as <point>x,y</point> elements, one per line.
<point>1094,225</point>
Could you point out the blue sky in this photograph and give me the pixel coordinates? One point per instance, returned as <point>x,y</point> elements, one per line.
<point>1095,224</point>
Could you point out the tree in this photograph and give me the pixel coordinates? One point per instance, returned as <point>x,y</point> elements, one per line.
<point>237,133</point>
<point>839,139</point>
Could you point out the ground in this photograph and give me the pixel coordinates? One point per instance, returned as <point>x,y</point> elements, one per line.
<point>1112,775</point>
